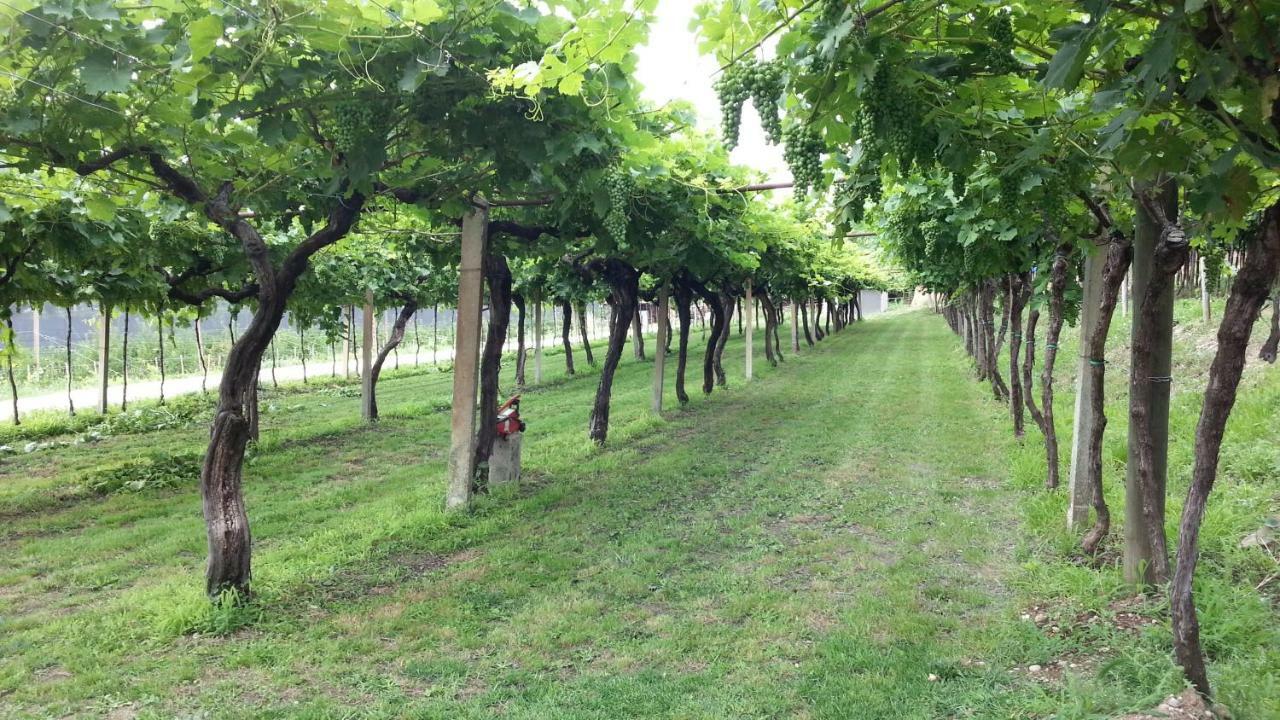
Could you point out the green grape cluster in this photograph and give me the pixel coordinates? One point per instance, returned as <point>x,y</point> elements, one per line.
<point>998,56</point>
<point>356,123</point>
<point>893,121</point>
<point>763,84</point>
<point>732,91</point>
<point>619,185</point>
<point>803,152</point>
<point>766,83</point>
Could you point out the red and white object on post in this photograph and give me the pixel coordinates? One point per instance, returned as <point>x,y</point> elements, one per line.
<point>509,422</point>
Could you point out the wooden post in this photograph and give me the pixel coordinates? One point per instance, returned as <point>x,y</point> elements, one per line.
<point>104,355</point>
<point>366,358</point>
<point>795,329</point>
<point>749,312</point>
<point>660,352</point>
<point>537,340</point>
<point>1079,497</point>
<point>466,359</point>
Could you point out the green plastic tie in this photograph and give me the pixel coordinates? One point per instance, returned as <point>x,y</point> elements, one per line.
<point>1051,346</point>
<point>1096,362</point>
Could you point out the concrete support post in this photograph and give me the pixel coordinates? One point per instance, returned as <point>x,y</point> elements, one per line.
<point>1079,499</point>
<point>795,327</point>
<point>1204,290</point>
<point>466,361</point>
<point>537,341</point>
<point>35,334</point>
<point>104,356</point>
<point>1138,553</point>
<point>366,357</point>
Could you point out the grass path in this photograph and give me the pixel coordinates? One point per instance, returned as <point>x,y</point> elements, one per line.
<point>837,539</point>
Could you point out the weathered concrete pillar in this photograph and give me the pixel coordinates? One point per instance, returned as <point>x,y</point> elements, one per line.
<point>1079,499</point>
<point>795,328</point>
<point>466,361</point>
<point>504,460</point>
<point>366,358</point>
<point>1138,553</point>
<point>537,341</point>
<point>104,355</point>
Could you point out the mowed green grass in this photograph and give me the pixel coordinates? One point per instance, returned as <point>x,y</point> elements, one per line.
<point>852,535</point>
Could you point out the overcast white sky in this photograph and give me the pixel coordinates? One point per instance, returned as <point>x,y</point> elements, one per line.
<point>672,69</point>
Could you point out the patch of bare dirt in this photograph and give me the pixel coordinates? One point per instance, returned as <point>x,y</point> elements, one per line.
<point>1187,706</point>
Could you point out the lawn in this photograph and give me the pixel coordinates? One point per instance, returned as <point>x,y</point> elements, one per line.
<point>854,534</point>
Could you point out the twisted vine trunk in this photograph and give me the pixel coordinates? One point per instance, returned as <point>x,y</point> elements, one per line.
<point>518,300</point>
<point>804,321</point>
<point>684,299</point>
<point>498,276</point>
<point>719,324</point>
<point>227,524</point>
<point>993,341</point>
<point>8,356</point>
<point>1028,369</point>
<point>566,313</point>
<point>624,283</point>
<point>769,320</point>
<point>393,341</point>
<point>582,329</point>
<point>1272,345</point>
<point>637,336</point>
<point>1018,293</point>
<point>1057,301</point>
<point>728,302</point>
<point>1119,255</point>
<point>1249,290</point>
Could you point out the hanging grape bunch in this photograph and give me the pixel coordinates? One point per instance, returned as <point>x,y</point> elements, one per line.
<point>765,83</point>
<point>618,183</point>
<point>803,152</point>
<point>732,90</point>
<point>1000,53</point>
<point>357,123</point>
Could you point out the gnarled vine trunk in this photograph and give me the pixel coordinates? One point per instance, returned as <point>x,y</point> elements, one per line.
<point>1271,347</point>
<point>586,338</point>
<point>566,314</point>
<point>1017,300</point>
<point>518,300</point>
<point>1259,269</point>
<point>1119,254</point>
<point>804,321</point>
<point>1057,301</point>
<point>684,299</point>
<point>393,341</point>
<point>728,302</point>
<point>498,276</point>
<point>719,324</point>
<point>624,284</point>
